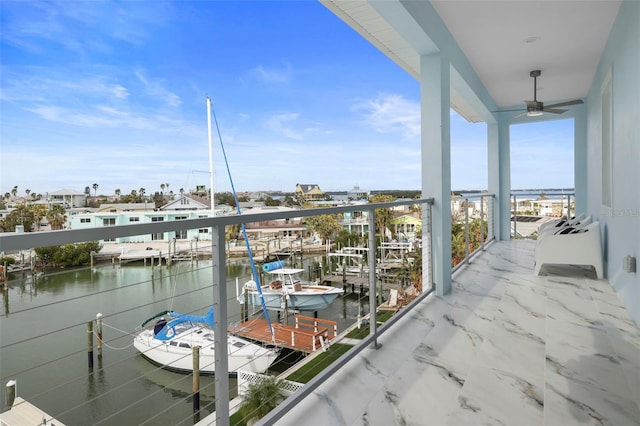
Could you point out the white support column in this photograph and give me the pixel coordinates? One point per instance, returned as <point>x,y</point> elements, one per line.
<point>219,277</point>
<point>499,168</point>
<point>580,178</point>
<point>436,162</point>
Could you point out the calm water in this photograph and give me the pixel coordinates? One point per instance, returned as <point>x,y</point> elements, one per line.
<point>43,341</point>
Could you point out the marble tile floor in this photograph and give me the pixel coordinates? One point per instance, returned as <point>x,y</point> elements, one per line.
<point>506,347</point>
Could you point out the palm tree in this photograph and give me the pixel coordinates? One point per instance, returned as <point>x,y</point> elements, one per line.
<point>383,216</point>
<point>27,191</point>
<point>162,189</point>
<point>56,216</point>
<point>95,189</point>
<point>14,191</point>
<point>260,398</point>
<point>118,192</point>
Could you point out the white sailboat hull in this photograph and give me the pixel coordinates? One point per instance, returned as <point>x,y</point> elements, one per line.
<point>177,354</point>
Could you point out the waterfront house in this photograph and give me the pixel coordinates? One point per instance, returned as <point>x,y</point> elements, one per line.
<point>357,194</point>
<point>309,192</point>
<point>67,198</point>
<point>406,226</point>
<point>356,222</point>
<point>275,228</point>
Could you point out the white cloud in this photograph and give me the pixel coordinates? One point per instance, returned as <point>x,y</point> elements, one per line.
<point>273,74</point>
<point>156,89</point>
<point>388,113</point>
<point>281,124</point>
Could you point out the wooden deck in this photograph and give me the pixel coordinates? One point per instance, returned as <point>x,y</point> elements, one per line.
<point>306,335</point>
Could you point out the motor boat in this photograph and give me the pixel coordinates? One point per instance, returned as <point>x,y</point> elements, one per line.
<point>285,290</point>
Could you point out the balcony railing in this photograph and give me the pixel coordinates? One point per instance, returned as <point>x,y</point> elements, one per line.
<point>16,242</point>
<point>482,208</point>
<point>566,203</point>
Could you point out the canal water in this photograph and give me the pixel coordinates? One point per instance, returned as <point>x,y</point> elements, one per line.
<point>43,340</point>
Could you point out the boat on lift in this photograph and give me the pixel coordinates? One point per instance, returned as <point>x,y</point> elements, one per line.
<point>286,290</point>
<point>168,339</point>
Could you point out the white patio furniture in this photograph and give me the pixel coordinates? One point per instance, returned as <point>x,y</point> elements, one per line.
<point>571,246</point>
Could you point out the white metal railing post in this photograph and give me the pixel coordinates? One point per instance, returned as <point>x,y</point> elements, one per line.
<point>515,212</point>
<point>466,230</point>
<point>373,307</point>
<point>218,266</point>
<point>482,222</point>
<point>494,201</point>
<point>429,242</point>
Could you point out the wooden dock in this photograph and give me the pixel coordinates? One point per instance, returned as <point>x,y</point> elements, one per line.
<point>24,413</point>
<point>306,335</point>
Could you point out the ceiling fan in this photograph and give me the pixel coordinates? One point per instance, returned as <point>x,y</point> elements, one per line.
<point>536,108</point>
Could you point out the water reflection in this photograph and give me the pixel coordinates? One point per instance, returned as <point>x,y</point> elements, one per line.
<point>124,387</point>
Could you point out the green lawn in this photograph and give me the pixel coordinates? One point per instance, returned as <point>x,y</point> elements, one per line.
<point>319,363</point>
<point>307,372</point>
<point>363,331</point>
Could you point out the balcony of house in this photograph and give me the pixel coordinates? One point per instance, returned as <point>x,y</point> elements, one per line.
<point>504,347</point>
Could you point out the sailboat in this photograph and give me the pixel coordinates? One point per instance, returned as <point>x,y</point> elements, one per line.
<point>168,339</point>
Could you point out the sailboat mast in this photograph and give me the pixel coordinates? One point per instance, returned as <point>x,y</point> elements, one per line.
<point>213,209</point>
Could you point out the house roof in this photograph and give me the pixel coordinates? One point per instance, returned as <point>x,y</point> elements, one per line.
<point>194,201</point>
<point>405,218</point>
<point>66,192</point>
<point>125,207</point>
<point>306,188</point>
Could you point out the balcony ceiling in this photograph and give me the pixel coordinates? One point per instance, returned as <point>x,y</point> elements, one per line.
<point>502,41</point>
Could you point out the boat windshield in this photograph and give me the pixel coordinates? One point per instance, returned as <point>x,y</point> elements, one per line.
<point>173,329</point>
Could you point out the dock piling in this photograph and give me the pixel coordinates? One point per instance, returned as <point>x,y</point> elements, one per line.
<point>90,343</point>
<point>99,333</point>
<point>11,393</point>
<point>196,379</point>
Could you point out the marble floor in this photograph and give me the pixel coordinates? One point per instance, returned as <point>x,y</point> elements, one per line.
<point>506,347</point>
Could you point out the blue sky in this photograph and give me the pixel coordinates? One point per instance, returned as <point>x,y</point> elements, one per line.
<point>114,93</point>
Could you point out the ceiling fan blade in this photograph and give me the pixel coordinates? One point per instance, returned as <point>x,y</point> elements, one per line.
<point>521,114</point>
<point>554,111</point>
<point>568,103</point>
<point>509,110</point>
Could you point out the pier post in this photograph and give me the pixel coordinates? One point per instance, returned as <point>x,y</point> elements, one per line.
<point>99,333</point>
<point>90,343</point>
<point>92,253</point>
<point>196,379</point>
<point>11,393</point>
<point>246,305</point>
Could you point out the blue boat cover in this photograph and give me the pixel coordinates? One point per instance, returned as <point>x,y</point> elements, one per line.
<point>168,332</point>
<point>273,265</point>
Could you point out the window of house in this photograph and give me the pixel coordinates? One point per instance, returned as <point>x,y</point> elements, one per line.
<point>109,221</point>
<point>134,219</point>
<point>159,235</point>
<point>85,220</point>
<point>182,234</point>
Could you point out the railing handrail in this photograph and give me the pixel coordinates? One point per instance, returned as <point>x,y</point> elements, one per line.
<point>29,240</point>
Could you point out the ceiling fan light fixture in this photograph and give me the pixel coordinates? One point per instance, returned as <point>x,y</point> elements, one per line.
<point>534,113</point>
